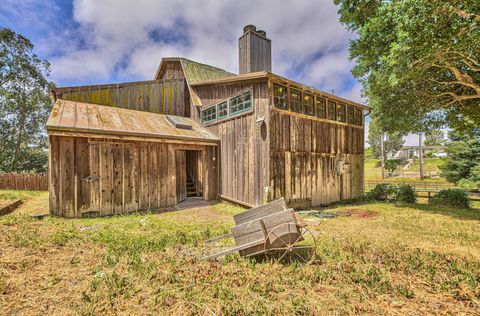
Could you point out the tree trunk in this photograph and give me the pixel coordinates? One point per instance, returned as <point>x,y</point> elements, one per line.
<point>382,149</point>
<point>420,154</point>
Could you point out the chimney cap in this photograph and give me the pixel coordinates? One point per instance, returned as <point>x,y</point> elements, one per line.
<point>249,27</point>
<point>262,33</point>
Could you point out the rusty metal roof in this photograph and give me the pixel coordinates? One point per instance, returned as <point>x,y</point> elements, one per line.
<point>89,118</point>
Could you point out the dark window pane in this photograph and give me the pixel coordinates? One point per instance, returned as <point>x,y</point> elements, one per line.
<point>341,113</point>
<point>222,109</point>
<point>350,114</point>
<point>280,97</point>
<point>332,110</point>
<point>308,104</point>
<point>358,117</point>
<point>241,103</point>
<point>295,102</point>
<point>320,110</point>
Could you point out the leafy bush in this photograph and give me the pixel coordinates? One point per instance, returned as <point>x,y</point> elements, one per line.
<point>392,164</point>
<point>406,194</point>
<point>392,193</point>
<point>380,192</point>
<point>468,184</point>
<point>451,197</point>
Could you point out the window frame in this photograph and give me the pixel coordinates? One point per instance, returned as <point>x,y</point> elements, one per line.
<point>350,110</point>
<point>324,107</point>
<point>300,111</point>
<point>239,112</point>
<point>330,102</point>
<point>341,112</point>
<point>287,96</point>
<point>226,108</point>
<point>355,115</point>
<point>312,104</point>
<point>214,107</point>
<point>229,114</point>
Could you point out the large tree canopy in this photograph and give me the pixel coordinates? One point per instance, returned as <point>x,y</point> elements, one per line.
<point>418,60</point>
<point>24,105</point>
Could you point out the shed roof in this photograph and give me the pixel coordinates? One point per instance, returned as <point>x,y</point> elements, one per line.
<point>71,116</point>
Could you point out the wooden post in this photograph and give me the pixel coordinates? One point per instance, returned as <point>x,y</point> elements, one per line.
<point>420,154</point>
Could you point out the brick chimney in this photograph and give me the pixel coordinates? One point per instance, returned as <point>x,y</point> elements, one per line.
<point>254,50</point>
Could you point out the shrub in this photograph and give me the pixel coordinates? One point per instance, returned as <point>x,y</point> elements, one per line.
<point>392,193</point>
<point>382,192</point>
<point>468,184</point>
<point>392,164</point>
<point>451,197</point>
<point>406,194</point>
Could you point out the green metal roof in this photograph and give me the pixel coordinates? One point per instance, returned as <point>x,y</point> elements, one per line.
<point>197,72</point>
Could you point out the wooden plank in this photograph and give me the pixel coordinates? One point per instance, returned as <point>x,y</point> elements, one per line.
<point>260,211</point>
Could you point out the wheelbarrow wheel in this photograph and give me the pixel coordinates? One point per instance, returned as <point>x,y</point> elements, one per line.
<point>289,243</point>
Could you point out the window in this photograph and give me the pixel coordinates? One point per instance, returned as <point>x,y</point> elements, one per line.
<point>332,110</point>
<point>332,163</point>
<point>320,110</point>
<point>295,102</point>
<point>350,114</point>
<point>341,113</point>
<point>241,103</point>
<point>358,117</point>
<point>308,104</point>
<point>280,97</point>
<point>222,109</point>
<point>209,114</point>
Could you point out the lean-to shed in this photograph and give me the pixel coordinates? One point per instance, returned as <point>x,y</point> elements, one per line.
<point>106,160</point>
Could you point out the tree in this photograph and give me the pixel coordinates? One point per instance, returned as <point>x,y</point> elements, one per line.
<point>418,60</point>
<point>463,157</point>
<point>24,104</point>
<point>434,137</point>
<point>392,144</point>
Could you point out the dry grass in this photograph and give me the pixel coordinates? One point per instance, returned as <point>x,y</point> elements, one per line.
<point>384,259</point>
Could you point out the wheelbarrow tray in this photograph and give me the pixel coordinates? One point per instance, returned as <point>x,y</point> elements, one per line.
<point>253,228</point>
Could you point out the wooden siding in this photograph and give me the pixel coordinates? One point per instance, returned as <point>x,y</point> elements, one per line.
<point>301,150</point>
<point>244,149</point>
<point>171,70</point>
<point>166,96</point>
<point>91,177</point>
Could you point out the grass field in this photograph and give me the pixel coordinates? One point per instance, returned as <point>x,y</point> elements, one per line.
<point>384,259</point>
<point>373,170</point>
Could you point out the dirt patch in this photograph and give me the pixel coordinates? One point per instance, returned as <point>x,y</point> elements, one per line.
<point>202,214</point>
<point>362,214</point>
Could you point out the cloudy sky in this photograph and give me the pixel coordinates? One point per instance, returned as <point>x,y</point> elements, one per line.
<point>99,41</point>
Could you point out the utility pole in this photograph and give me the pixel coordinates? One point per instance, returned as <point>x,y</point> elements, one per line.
<point>383,155</point>
<point>420,154</point>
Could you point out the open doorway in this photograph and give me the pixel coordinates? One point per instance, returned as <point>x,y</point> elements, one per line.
<point>189,174</point>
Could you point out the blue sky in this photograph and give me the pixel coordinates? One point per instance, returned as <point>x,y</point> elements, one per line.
<point>98,41</point>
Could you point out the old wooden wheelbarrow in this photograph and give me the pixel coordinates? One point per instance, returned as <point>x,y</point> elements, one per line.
<point>272,230</point>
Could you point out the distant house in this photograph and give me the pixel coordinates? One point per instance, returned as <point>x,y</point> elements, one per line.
<point>197,130</point>
<point>407,152</point>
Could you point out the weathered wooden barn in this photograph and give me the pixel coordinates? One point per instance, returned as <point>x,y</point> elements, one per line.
<point>197,130</point>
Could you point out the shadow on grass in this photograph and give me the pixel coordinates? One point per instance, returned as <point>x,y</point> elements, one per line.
<point>458,213</point>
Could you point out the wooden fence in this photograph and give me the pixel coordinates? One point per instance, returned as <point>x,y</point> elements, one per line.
<point>418,185</point>
<point>24,181</point>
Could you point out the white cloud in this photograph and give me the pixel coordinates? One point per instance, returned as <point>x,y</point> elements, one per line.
<point>111,37</point>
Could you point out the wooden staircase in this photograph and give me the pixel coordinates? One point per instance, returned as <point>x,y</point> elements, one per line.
<point>191,187</point>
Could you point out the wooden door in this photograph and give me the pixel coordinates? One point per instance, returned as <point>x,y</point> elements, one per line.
<point>181,175</point>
